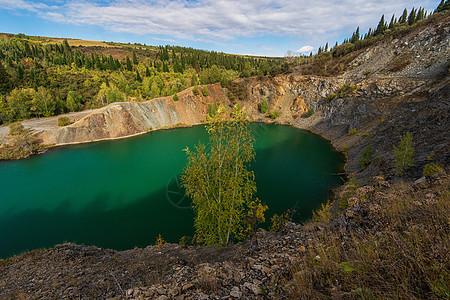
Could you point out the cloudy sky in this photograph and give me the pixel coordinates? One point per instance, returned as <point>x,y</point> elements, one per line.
<point>257,27</point>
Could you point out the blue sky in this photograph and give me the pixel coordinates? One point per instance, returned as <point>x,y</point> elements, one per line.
<point>255,27</point>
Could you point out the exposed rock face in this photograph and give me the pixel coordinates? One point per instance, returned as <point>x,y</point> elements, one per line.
<point>124,119</point>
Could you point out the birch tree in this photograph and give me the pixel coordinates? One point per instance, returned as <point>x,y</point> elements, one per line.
<point>218,181</point>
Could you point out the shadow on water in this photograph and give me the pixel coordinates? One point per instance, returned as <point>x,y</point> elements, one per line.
<point>123,227</point>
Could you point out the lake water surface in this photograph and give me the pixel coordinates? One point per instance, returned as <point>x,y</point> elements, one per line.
<point>121,194</point>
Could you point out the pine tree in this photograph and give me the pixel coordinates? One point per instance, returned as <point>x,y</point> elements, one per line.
<point>135,60</point>
<point>412,17</point>
<point>420,14</point>
<point>20,71</point>
<point>166,67</point>
<point>392,22</point>
<point>404,17</point>
<point>138,77</point>
<point>381,26</point>
<point>128,64</point>
<point>443,6</point>
<point>355,36</point>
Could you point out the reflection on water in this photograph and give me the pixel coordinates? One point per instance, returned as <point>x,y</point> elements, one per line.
<point>121,194</point>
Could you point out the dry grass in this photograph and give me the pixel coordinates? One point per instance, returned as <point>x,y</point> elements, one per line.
<point>400,62</point>
<point>77,42</point>
<point>405,255</point>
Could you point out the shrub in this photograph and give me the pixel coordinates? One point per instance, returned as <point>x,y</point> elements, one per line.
<point>331,96</point>
<point>400,62</point>
<point>175,97</point>
<point>279,221</point>
<point>16,128</point>
<point>263,106</point>
<point>403,154</point>
<point>274,114</point>
<point>63,121</point>
<point>212,109</point>
<point>205,91</point>
<point>195,90</point>
<point>367,72</point>
<point>324,213</point>
<point>366,157</point>
<point>310,112</point>
<point>432,169</point>
<point>160,241</point>
<point>352,132</point>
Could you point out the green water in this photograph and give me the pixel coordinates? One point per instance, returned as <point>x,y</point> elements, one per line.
<point>122,194</point>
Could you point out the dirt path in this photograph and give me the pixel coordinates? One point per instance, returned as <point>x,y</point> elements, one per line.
<point>46,123</point>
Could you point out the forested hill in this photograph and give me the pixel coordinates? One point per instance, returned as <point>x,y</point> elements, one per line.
<point>48,76</point>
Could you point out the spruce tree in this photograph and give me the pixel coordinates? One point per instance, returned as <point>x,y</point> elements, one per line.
<point>443,6</point>
<point>420,14</point>
<point>135,60</point>
<point>392,22</point>
<point>138,77</point>
<point>381,26</point>
<point>404,17</point>
<point>128,64</point>
<point>412,17</point>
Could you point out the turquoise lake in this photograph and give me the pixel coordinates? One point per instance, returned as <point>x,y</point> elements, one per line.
<point>121,194</point>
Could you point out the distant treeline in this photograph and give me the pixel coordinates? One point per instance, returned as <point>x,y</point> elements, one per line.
<point>41,78</point>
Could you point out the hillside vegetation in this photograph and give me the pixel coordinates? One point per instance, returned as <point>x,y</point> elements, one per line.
<point>42,77</point>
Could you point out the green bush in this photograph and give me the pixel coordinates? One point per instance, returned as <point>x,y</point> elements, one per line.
<point>212,109</point>
<point>274,114</point>
<point>205,91</point>
<point>195,90</point>
<point>310,112</point>
<point>352,132</point>
<point>63,121</point>
<point>15,128</point>
<point>366,157</point>
<point>279,221</point>
<point>264,106</point>
<point>432,169</point>
<point>331,96</point>
<point>175,97</point>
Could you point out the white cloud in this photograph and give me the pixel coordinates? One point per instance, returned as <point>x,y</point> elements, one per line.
<point>222,20</point>
<point>305,49</point>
